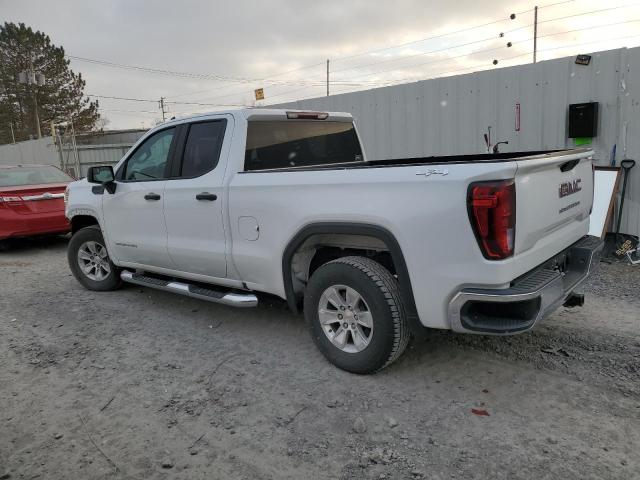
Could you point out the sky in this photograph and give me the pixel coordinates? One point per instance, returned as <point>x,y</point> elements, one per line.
<point>211,55</point>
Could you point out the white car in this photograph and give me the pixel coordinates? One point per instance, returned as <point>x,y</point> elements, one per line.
<point>225,205</point>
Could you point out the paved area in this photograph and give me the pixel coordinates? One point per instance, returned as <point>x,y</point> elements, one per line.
<point>143,384</point>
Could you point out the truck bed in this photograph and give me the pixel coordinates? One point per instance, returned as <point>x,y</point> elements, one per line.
<point>435,160</point>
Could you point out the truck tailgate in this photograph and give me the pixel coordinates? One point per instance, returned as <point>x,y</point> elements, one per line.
<point>554,194</point>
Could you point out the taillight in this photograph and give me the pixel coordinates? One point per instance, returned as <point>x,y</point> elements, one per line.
<point>492,212</point>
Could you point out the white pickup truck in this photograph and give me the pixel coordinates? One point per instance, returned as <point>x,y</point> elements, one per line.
<point>223,206</point>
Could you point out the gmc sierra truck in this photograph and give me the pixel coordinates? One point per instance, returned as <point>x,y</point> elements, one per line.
<point>225,206</point>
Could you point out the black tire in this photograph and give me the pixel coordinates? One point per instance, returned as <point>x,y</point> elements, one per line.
<point>91,234</point>
<point>379,289</point>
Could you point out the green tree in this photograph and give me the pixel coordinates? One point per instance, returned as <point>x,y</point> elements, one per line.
<point>60,99</point>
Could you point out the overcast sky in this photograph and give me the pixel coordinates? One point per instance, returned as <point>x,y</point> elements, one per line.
<point>217,52</point>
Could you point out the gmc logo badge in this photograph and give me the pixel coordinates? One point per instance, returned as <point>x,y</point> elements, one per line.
<point>569,188</point>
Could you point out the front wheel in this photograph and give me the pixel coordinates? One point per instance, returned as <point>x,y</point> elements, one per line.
<point>89,261</point>
<point>355,314</point>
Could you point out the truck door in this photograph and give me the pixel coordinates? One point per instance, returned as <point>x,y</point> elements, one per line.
<point>194,201</point>
<point>133,214</point>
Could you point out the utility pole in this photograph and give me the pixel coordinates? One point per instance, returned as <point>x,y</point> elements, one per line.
<point>327,77</point>
<point>13,137</point>
<point>74,145</point>
<point>35,98</point>
<point>535,33</point>
<point>58,143</point>
<point>33,80</point>
<point>162,108</point>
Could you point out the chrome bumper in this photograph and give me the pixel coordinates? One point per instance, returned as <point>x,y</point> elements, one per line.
<point>529,298</point>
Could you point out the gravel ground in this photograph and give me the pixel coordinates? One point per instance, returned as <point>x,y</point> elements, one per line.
<point>144,384</point>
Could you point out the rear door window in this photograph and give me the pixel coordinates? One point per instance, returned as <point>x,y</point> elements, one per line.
<point>300,143</point>
<point>202,148</point>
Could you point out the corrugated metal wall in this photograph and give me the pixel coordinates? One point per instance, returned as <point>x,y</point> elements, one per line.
<point>448,116</point>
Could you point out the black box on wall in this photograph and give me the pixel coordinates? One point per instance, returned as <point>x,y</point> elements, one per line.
<point>583,119</point>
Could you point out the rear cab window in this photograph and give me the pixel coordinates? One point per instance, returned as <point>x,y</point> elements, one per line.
<point>273,144</point>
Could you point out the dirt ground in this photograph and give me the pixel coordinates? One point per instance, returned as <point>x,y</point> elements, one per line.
<point>145,384</point>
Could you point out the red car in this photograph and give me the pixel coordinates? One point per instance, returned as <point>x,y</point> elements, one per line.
<point>32,200</point>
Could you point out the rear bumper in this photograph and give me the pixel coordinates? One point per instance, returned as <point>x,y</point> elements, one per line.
<point>13,225</point>
<point>529,298</point>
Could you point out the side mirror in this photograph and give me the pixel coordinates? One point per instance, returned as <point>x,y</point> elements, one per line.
<point>102,175</point>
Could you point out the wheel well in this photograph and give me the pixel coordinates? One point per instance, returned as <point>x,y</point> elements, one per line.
<point>319,249</point>
<point>81,221</point>
<point>319,243</point>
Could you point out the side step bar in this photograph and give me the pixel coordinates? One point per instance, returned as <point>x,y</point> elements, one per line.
<point>216,296</point>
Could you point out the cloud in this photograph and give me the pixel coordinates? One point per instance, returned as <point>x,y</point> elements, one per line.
<point>254,39</point>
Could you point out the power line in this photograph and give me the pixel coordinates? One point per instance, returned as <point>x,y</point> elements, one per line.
<point>203,76</point>
<point>560,47</point>
<point>474,42</point>
<point>441,74</point>
<point>590,12</point>
<point>156,101</point>
<point>397,81</point>
<point>123,98</point>
<point>368,52</point>
<point>128,111</point>
<point>343,82</point>
<point>446,48</point>
<point>500,47</point>
<point>447,73</point>
<point>434,37</point>
<point>208,104</point>
<point>290,83</point>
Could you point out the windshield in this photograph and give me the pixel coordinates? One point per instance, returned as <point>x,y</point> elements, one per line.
<point>19,176</point>
<point>282,144</point>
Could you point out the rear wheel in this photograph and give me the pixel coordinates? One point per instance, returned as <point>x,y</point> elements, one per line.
<point>355,314</point>
<point>89,260</point>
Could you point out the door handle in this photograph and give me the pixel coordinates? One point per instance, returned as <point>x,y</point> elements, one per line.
<point>206,196</point>
<point>152,196</point>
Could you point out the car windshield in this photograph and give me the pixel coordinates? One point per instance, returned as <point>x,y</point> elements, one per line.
<point>19,176</point>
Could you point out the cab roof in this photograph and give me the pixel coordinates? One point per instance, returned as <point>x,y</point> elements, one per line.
<point>263,114</point>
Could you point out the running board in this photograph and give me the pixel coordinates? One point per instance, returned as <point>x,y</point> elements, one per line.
<point>216,296</point>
